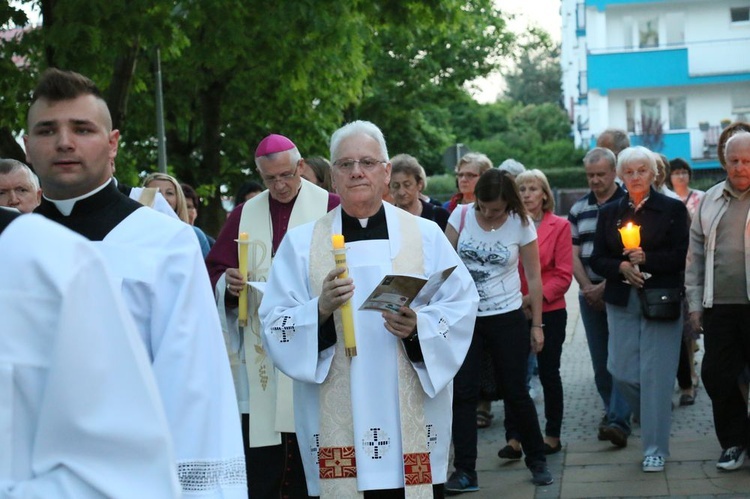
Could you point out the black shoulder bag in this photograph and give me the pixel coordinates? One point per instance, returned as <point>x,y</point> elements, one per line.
<point>661,304</point>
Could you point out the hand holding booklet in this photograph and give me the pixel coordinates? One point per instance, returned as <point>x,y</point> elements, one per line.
<point>396,291</point>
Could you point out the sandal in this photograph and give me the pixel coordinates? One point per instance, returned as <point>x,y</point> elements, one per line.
<point>484,419</point>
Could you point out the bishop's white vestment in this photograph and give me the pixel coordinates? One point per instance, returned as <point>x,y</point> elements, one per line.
<point>289,315</point>
<point>80,412</point>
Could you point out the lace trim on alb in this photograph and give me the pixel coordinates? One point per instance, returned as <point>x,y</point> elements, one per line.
<point>202,476</point>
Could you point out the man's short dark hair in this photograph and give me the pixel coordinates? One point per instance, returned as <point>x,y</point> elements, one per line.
<point>58,85</point>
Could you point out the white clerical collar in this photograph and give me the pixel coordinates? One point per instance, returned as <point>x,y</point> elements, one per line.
<point>363,222</point>
<point>65,206</point>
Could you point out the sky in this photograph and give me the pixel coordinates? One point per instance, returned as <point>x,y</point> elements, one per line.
<point>542,13</point>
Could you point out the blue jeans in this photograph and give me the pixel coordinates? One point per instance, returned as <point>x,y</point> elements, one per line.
<point>597,336</point>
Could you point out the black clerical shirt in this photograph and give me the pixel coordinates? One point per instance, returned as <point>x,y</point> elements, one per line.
<point>353,231</point>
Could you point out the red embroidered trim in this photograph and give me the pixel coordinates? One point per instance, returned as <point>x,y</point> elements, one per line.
<point>337,462</point>
<point>417,469</point>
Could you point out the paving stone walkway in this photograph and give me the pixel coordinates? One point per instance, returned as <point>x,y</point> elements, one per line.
<point>588,468</point>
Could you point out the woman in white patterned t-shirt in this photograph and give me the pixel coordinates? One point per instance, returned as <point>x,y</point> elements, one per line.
<point>489,236</point>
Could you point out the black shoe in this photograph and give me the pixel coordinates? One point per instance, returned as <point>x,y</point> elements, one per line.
<point>461,481</point>
<point>616,436</point>
<point>731,458</point>
<point>540,474</point>
<point>548,449</point>
<point>602,426</point>
<point>509,452</point>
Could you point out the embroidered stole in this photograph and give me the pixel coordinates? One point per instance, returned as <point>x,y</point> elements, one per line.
<point>337,443</point>
<point>270,397</point>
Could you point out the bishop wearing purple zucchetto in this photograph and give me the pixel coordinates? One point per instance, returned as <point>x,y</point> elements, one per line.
<point>264,394</point>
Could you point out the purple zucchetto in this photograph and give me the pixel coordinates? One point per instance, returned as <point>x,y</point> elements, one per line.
<point>272,144</point>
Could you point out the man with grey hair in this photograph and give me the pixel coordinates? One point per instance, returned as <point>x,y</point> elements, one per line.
<point>512,166</point>
<point>376,424</point>
<point>19,186</point>
<point>599,165</point>
<point>613,139</point>
<point>717,283</point>
<point>264,394</point>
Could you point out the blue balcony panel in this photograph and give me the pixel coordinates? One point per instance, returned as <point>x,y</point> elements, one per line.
<point>675,144</point>
<point>601,5</point>
<point>648,69</point>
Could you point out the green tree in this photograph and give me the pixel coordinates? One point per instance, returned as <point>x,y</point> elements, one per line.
<point>236,71</point>
<point>536,74</point>
<point>421,59</point>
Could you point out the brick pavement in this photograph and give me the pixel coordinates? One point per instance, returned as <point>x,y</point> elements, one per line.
<point>588,468</point>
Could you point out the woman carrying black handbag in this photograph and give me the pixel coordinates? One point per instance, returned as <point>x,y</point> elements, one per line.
<point>643,297</point>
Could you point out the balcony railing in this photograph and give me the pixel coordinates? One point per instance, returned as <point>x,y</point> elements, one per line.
<point>711,135</point>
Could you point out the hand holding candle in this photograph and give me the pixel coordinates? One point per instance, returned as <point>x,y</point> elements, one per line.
<point>631,240</point>
<point>242,243</point>
<point>347,317</point>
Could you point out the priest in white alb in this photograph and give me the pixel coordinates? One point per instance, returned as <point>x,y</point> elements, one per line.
<point>80,413</point>
<point>157,261</point>
<point>380,420</point>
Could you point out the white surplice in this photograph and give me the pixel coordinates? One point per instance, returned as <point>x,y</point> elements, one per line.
<point>80,413</point>
<point>166,287</point>
<point>289,314</point>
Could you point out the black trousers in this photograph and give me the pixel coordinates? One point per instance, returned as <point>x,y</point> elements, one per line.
<point>506,337</point>
<point>726,338</point>
<point>274,471</point>
<point>549,376</point>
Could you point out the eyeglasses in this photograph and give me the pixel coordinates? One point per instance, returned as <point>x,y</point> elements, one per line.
<point>467,175</point>
<point>364,163</point>
<point>284,177</point>
<point>680,174</point>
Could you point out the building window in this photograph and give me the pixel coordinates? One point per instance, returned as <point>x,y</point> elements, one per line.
<point>583,84</point>
<point>677,113</point>
<point>651,109</point>
<point>630,114</point>
<point>648,33</point>
<point>581,16</point>
<point>739,14</point>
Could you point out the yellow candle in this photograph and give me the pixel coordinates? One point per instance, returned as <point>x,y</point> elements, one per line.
<point>242,243</point>
<point>347,317</point>
<point>630,235</point>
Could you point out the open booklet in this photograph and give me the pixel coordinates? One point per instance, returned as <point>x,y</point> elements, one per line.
<point>396,291</point>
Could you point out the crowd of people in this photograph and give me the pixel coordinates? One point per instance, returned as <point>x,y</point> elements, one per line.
<point>277,381</point>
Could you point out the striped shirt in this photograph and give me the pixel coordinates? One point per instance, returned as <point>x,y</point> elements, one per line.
<point>582,217</point>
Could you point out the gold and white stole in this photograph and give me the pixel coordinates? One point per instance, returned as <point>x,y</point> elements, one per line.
<point>337,456</point>
<point>271,399</point>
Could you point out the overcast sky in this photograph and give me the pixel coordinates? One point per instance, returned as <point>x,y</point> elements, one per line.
<point>542,13</point>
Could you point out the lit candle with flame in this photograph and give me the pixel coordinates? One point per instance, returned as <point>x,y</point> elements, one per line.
<point>347,317</point>
<point>242,243</point>
<point>630,235</point>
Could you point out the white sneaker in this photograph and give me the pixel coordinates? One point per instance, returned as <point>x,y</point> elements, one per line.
<point>653,463</point>
<point>731,458</point>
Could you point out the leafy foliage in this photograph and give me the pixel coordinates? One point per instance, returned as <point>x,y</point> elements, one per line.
<point>537,74</point>
<point>233,72</point>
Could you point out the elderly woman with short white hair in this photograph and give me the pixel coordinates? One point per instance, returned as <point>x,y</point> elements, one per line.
<point>643,296</point>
